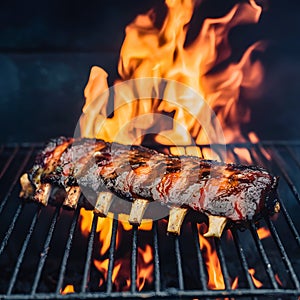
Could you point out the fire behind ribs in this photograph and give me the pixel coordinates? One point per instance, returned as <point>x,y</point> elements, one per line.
<point>141,175</point>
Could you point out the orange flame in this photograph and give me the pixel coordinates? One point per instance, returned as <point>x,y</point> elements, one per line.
<point>235,284</point>
<point>68,289</point>
<point>120,276</point>
<point>145,225</point>
<point>256,282</point>
<point>204,64</point>
<point>104,228</point>
<point>145,267</point>
<point>102,266</point>
<point>215,276</point>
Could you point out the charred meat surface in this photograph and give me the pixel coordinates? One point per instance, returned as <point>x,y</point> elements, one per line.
<point>233,191</point>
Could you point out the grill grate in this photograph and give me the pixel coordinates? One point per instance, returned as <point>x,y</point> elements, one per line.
<point>22,223</point>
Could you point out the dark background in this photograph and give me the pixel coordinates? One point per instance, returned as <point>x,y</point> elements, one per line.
<point>48,47</point>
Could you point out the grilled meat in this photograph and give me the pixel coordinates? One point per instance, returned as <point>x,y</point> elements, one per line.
<point>235,192</point>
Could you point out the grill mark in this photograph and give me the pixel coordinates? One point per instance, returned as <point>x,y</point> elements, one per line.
<point>140,172</point>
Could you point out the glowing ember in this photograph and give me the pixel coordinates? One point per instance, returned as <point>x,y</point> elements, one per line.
<point>263,233</point>
<point>278,280</point>
<point>229,236</point>
<point>68,289</point>
<point>215,276</point>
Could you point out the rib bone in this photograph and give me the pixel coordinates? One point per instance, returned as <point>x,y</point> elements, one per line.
<point>176,218</point>
<point>103,204</point>
<point>216,226</point>
<point>137,211</point>
<point>42,194</point>
<point>27,188</point>
<point>73,194</point>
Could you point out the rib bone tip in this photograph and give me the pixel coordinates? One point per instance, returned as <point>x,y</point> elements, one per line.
<point>137,211</point>
<point>27,188</point>
<point>103,203</point>
<point>42,193</point>
<point>176,218</point>
<point>216,226</point>
<point>72,198</point>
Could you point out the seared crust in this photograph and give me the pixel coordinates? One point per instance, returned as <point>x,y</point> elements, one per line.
<point>237,192</point>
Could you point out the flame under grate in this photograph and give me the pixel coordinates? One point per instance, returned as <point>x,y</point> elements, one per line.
<point>42,249</point>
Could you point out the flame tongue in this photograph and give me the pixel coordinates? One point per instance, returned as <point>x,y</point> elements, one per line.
<point>205,65</point>
<point>215,275</point>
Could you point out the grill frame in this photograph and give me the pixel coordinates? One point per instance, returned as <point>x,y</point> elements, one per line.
<point>277,163</point>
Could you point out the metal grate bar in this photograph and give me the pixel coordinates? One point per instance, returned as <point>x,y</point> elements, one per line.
<point>241,253</point>
<point>16,178</point>
<point>111,255</point>
<point>133,259</point>
<point>23,250</point>
<point>188,294</point>
<point>281,164</point>
<point>218,151</point>
<point>258,243</point>
<point>264,256</point>
<point>292,154</point>
<point>8,162</point>
<point>89,252</point>
<point>201,151</point>
<point>257,150</point>
<point>202,275</point>
<point>283,253</point>
<point>67,251</point>
<point>44,253</point>
<point>290,222</point>
<point>236,157</point>
<point>156,258</point>
<point>239,247</point>
<point>156,292</point>
<point>11,227</point>
<point>179,263</point>
<point>282,206</point>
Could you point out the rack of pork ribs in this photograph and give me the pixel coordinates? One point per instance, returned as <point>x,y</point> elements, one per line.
<point>223,192</point>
